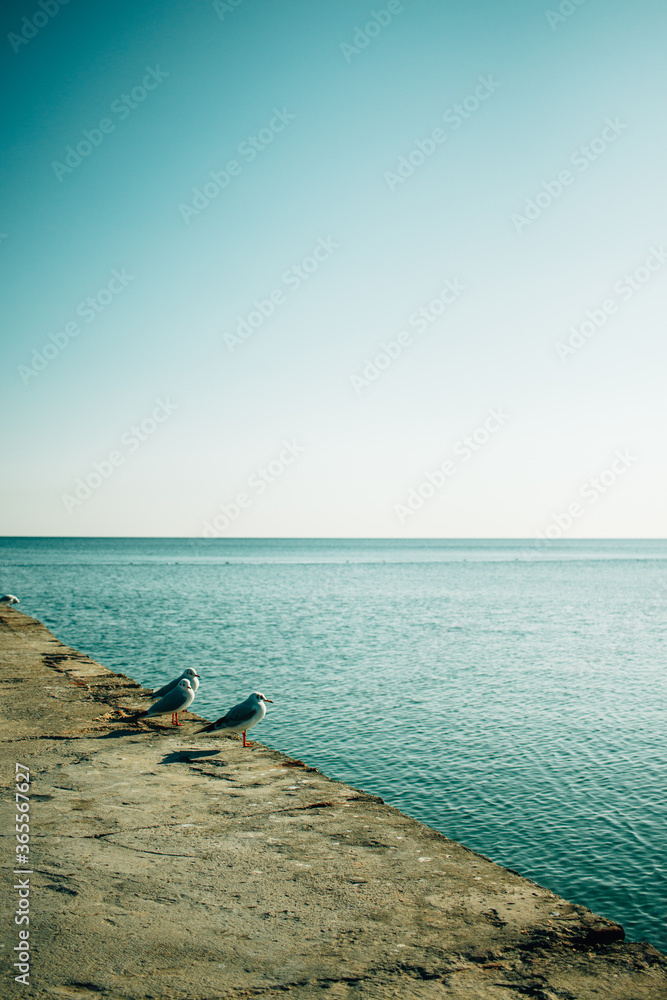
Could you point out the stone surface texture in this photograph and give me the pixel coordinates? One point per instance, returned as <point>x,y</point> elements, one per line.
<point>171,866</point>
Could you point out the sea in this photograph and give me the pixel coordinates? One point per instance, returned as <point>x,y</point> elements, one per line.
<point>508,693</point>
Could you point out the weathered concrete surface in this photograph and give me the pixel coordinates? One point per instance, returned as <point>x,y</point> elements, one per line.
<point>165,866</point>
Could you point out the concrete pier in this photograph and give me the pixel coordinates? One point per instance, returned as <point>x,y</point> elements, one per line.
<point>161,866</point>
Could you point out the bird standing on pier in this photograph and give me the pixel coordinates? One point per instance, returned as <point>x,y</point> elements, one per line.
<point>188,674</point>
<point>177,700</point>
<point>9,599</point>
<point>241,718</point>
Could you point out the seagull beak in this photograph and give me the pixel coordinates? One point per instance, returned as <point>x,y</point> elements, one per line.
<point>269,701</point>
<point>197,675</point>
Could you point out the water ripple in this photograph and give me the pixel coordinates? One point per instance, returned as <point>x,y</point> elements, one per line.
<point>514,703</point>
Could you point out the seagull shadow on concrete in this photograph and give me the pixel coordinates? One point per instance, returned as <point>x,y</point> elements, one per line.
<point>185,756</point>
<point>126,729</point>
<point>113,734</point>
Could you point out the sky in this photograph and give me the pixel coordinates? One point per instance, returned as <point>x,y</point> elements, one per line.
<point>334,269</point>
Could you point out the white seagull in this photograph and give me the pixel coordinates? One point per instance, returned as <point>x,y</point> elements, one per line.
<point>177,700</point>
<point>9,599</point>
<point>241,718</point>
<point>188,674</point>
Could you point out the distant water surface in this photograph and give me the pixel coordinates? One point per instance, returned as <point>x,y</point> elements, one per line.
<point>508,694</point>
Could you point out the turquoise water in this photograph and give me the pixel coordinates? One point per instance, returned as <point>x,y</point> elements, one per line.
<point>510,695</point>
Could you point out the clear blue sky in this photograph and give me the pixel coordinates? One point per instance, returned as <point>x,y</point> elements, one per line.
<point>464,183</point>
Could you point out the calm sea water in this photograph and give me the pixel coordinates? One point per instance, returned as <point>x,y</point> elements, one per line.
<point>510,696</point>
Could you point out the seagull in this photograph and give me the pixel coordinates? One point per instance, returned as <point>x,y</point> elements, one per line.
<point>188,674</point>
<point>177,700</point>
<point>9,599</point>
<point>241,718</point>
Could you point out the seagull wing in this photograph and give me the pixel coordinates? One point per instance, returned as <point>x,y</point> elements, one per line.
<point>174,701</point>
<point>166,688</point>
<point>240,713</point>
<point>236,716</point>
